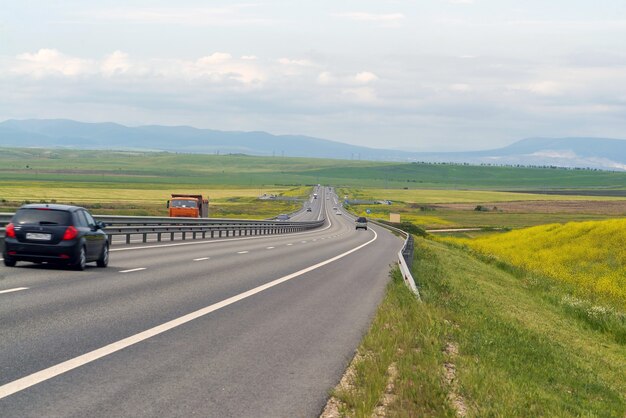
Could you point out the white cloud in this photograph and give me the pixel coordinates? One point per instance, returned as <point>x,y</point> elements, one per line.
<point>217,67</point>
<point>297,62</point>
<point>325,78</point>
<point>365,77</point>
<point>115,64</point>
<point>547,88</point>
<point>234,15</point>
<point>222,67</point>
<point>215,58</point>
<point>460,87</point>
<point>47,62</point>
<point>363,95</point>
<point>383,19</point>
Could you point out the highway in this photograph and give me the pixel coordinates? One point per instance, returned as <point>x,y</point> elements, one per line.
<point>248,326</point>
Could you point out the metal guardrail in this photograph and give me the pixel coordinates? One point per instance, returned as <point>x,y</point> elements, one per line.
<point>187,228</point>
<point>405,257</point>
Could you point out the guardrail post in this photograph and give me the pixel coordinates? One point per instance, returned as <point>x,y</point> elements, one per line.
<point>127,238</point>
<point>172,236</point>
<point>407,253</point>
<point>145,237</point>
<point>159,237</point>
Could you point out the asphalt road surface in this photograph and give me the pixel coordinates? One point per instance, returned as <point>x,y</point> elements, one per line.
<point>247,326</point>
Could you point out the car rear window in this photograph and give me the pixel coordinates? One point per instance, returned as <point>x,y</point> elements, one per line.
<point>361,219</point>
<point>42,217</point>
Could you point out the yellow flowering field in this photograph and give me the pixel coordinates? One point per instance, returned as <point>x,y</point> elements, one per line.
<point>590,255</point>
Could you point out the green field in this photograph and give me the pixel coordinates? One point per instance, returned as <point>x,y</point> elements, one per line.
<point>150,169</point>
<point>138,183</point>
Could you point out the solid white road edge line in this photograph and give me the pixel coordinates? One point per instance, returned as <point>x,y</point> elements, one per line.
<point>131,270</point>
<point>17,289</point>
<point>46,374</point>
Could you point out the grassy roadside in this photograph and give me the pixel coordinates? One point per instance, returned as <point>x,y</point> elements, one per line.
<point>486,342</point>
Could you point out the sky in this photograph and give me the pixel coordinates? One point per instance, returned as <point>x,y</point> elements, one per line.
<point>422,75</point>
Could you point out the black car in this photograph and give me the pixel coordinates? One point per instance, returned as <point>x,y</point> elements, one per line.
<point>55,234</point>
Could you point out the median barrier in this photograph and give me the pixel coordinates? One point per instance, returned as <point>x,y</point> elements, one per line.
<point>186,228</point>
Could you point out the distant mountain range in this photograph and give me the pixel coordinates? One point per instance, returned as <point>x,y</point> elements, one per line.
<point>601,153</point>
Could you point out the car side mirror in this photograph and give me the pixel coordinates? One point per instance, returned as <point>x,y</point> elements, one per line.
<point>100,225</point>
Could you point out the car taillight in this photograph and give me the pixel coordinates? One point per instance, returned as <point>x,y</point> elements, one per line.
<point>10,231</point>
<point>70,233</point>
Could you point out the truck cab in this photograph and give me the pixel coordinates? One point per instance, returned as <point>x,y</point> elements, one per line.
<point>188,206</point>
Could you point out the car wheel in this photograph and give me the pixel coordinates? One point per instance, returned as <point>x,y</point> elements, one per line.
<point>81,260</point>
<point>9,262</point>
<point>103,261</point>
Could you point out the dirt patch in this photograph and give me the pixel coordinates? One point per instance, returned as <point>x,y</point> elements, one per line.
<point>388,396</point>
<point>346,384</point>
<point>592,207</point>
<point>449,374</point>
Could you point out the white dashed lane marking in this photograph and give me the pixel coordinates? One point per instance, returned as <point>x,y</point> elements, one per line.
<point>243,252</point>
<point>132,270</point>
<point>270,248</point>
<point>201,259</point>
<point>17,289</point>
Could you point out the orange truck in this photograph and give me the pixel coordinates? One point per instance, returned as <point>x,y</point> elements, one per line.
<point>188,206</point>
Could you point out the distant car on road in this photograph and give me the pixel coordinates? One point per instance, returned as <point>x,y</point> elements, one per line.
<point>61,234</point>
<point>282,217</point>
<point>338,213</point>
<point>361,222</point>
<point>309,210</point>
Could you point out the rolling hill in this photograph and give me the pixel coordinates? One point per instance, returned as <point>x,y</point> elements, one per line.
<point>598,153</point>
